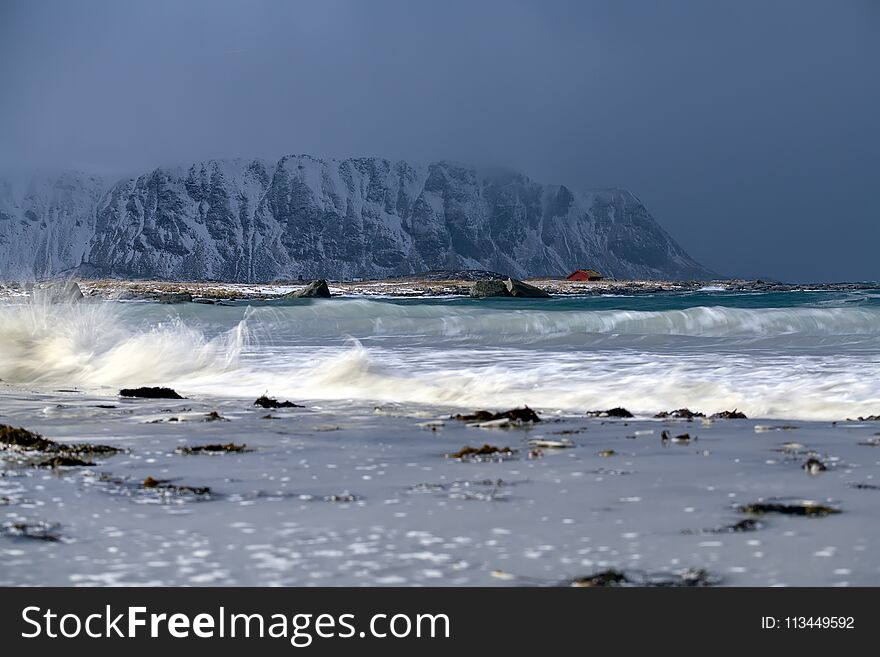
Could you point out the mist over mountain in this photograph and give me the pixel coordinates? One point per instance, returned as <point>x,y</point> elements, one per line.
<point>256,220</point>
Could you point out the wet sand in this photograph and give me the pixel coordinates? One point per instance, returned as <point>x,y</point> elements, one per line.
<point>348,494</point>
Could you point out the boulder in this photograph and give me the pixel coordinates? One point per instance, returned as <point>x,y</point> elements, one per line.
<point>175,297</point>
<point>315,290</point>
<point>494,287</point>
<point>519,289</point>
<point>57,292</point>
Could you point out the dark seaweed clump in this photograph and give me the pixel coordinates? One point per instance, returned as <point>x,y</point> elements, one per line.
<point>18,438</point>
<point>611,412</point>
<point>26,440</point>
<point>865,486</point>
<point>270,402</point>
<point>744,525</point>
<point>807,509</point>
<point>227,448</point>
<point>150,393</point>
<point>485,450</point>
<point>164,485</point>
<point>612,577</point>
<point>64,462</point>
<point>524,414</point>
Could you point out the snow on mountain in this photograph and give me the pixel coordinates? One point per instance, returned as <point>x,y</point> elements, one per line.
<point>253,220</point>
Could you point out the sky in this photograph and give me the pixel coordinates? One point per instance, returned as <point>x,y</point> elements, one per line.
<point>749,128</point>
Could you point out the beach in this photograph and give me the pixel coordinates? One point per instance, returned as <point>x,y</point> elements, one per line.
<point>366,480</point>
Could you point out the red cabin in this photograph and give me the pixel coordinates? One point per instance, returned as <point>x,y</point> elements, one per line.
<point>584,275</point>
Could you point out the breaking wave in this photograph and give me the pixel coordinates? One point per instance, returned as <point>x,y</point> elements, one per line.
<point>460,355</point>
<point>92,344</point>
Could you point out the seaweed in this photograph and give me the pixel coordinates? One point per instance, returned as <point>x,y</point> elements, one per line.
<point>741,526</point>
<point>603,578</point>
<point>29,441</point>
<point>227,448</point>
<point>611,578</point>
<point>485,450</point>
<point>26,440</point>
<point>166,486</point>
<point>807,509</point>
<point>150,393</point>
<point>64,462</point>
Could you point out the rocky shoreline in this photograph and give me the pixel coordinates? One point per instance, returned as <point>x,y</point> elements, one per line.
<point>414,286</point>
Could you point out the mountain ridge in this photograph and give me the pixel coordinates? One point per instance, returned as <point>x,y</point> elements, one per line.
<point>256,220</point>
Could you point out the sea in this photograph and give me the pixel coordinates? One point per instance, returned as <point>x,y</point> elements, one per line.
<point>357,485</point>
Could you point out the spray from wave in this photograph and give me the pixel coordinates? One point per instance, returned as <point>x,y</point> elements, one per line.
<point>92,344</point>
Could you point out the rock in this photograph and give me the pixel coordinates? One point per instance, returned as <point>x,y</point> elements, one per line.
<point>814,466</point>
<point>729,415</point>
<point>682,438</point>
<point>175,297</point>
<point>150,393</point>
<point>681,413</point>
<point>611,412</point>
<point>524,414</point>
<point>519,289</point>
<point>315,290</point>
<point>270,402</point>
<point>57,292</point>
<point>494,287</point>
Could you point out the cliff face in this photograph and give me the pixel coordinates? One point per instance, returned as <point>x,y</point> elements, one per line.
<point>251,220</point>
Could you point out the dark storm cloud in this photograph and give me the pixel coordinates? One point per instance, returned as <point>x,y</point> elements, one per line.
<point>748,128</point>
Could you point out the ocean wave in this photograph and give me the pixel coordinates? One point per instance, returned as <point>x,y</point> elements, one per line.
<point>236,352</point>
<point>95,344</point>
<point>361,318</point>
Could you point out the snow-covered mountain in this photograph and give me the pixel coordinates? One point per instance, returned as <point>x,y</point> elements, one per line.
<point>253,220</point>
